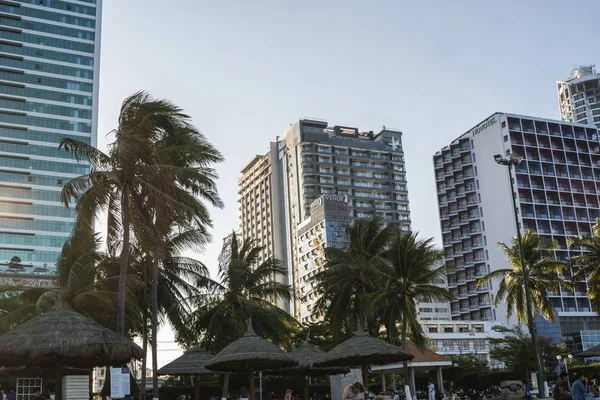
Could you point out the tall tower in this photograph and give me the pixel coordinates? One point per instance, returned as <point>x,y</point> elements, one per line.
<point>49,65</point>
<point>557,191</point>
<point>313,159</point>
<point>579,96</point>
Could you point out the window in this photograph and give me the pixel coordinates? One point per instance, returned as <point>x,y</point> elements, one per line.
<point>483,226</point>
<point>448,329</point>
<point>507,152</point>
<point>505,136</point>
<point>504,126</point>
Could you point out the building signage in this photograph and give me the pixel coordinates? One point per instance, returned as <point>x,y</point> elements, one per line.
<point>331,197</point>
<point>476,131</point>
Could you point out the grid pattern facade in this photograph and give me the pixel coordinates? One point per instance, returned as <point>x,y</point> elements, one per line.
<point>326,227</point>
<point>451,338</point>
<point>309,160</point>
<point>254,205</point>
<point>317,159</point>
<point>579,96</point>
<point>49,64</point>
<point>556,189</point>
<point>558,186</point>
<point>462,231</point>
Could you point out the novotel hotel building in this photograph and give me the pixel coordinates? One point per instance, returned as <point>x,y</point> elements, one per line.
<point>556,190</point>
<point>364,171</point>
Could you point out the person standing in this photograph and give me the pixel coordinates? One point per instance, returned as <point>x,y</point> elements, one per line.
<point>431,390</point>
<point>12,395</point>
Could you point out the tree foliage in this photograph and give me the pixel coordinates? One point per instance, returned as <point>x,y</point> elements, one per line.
<point>515,350</point>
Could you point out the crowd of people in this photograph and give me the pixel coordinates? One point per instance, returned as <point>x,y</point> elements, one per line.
<point>577,388</point>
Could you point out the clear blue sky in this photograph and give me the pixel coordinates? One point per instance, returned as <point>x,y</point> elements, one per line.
<point>245,70</point>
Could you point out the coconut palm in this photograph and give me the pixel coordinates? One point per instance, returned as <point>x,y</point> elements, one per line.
<point>413,270</point>
<point>179,280</point>
<point>84,281</point>
<point>139,165</point>
<point>246,288</point>
<point>350,273</point>
<point>541,269</point>
<point>588,263</point>
<point>184,225</point>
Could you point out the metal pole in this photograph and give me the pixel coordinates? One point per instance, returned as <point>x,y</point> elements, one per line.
<point>534,341</point>
<point>260,383</point>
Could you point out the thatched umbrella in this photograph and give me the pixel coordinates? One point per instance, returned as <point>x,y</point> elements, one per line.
<point>593,352</point>
<point>63,337</point>
<point>248,354</point>
<point>307,355</point>
<point>363,350</point>
<point>192,362</point>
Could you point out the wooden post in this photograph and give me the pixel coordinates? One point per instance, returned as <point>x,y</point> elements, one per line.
<point>197,389</point>
<point>252,388</point>
<point>365,378</point>
<point>59,376</point>
<point>306,388</point>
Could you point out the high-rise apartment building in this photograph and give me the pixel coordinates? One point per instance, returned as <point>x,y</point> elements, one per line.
<point>49,65</point>
<point>579,96</point>
<point>324,227</point>
<point>556,188</point>
<point>312,159</point>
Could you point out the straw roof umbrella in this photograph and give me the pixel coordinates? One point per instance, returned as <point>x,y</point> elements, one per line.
<point>307,355</point>
<point>363,350</point>
<point>248,354</point>
<point>192,362</point>
<point>63,337</point>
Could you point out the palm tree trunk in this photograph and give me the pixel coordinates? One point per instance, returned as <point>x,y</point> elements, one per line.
<point>123,261</point>
<point>154,323</point>
<point>145,351</point>
<point>407,380</point>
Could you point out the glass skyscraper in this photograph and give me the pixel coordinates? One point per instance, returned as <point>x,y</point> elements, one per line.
<point>49,65</point>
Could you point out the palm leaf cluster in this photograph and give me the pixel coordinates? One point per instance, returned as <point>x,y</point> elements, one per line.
<point>378,278</point>
<point>542,271</point>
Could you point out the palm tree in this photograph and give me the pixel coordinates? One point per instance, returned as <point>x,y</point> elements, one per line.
<point>542,273</point>
<point>246,288</point>
<point>179,280</point>
<point>184,225</point>
<point>83,281</point>
<point>412,271</point>
<point>139,165</point>
<point>588,263</point>
<point>349,274</point>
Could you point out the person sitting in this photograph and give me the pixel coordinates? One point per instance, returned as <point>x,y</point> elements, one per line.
<point>527,391</point>
<point>579,389</point>
<point>560,391</point>
<point>356,390</point>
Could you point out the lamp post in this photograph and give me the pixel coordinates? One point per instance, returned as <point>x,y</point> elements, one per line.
<point>509,162</point>
<point>568,360</point>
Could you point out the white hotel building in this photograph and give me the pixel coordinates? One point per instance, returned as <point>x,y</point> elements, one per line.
<point>557,186</point>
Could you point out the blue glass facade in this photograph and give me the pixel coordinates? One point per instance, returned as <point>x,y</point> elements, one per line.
<point>49,64</point>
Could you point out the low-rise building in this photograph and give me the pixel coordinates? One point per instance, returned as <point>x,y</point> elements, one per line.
<point>452,338</point>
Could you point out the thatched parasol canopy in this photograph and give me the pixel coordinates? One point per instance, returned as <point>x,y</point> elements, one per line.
<point>248,354</point>
<point>192,362</point>
<point>66,337</point>
<point>363,350</point>
<point>62,337</point>
<point>593,352</point>
<point>307,356</point>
